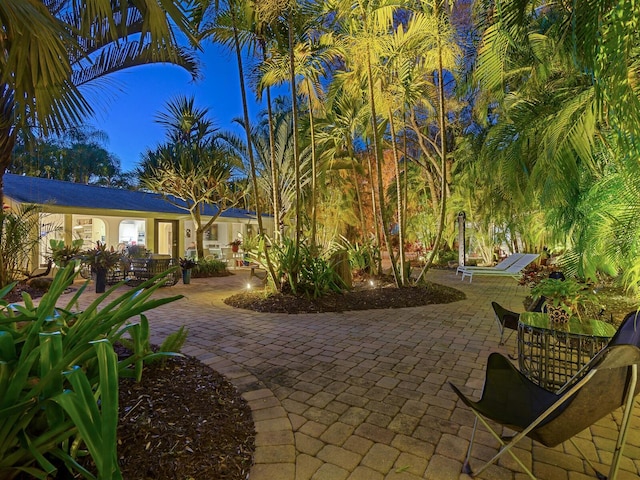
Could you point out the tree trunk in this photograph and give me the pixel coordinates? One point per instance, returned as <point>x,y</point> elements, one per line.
<point>378,155</point>
<point>443,159</point>
<point>247,126</point>
<point>296,147</point>
<point>396,161</point>
<point>278,224</point>
<point>374,210</point>
<point>313,180</point>
<point>356,183</point>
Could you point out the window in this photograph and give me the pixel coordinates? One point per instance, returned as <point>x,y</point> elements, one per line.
<point>132,232</point>
<point>50,229</point>
<point>211,233</point>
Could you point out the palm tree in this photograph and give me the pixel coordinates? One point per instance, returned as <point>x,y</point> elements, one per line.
<point>240,13</point>
<point>312,57</point>
<point>443,56</point>
<point>193,167</point>
<point>255,36</point>
<point>337,133</point>
<point>51,49</point>
<point>552,141</point>
<point>287,10</point>
<point>361,24</point>
<point>282,131</point>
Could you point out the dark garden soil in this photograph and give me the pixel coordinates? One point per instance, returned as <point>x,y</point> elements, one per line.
<point>183,421</point>
<point>362,297</point>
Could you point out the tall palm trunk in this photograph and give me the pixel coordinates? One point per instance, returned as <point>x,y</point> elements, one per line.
<point>377,146</point>
<point>277,213</point>
<point>313,179</point>
<point>374,210</point>
<point>363,225</point>
<point>443,165</point>
<point>396,161</point>
<point>247,126</point>
<point>296,142</point>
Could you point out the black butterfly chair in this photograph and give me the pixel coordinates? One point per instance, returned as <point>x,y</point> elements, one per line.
<point>506,319</point>
<point>607,382</point>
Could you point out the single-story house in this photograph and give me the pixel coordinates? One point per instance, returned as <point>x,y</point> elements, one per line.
<point>121,217</point>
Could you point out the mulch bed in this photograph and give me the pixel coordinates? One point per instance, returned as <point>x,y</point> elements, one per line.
<point>363,297</point>
<point>184,421</point>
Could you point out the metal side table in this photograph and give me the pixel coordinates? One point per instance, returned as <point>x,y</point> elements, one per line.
<point>551,354</point>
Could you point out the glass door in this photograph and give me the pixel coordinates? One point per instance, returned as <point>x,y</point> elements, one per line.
<point>166,237</point>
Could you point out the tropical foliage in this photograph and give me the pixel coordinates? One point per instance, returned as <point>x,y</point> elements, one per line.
<point>19,236</point>
<point>59,378</point>
<point>77,156</point>
<point>51,51</point>
<point>193,167</point>
<point>401,114</point>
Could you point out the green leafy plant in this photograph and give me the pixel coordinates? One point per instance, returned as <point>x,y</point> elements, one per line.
<point>20,230</point>
<point>62,254</point>
<point>250,243</point>
<point>59,377</point>
<point>569,294</point>
<point>302,271</point>
<point>362,257</point>
<point>209,268</point>
<point>100,257</point>
<point>285,259</point>
<point>187,263</point>
<point>317,276</point>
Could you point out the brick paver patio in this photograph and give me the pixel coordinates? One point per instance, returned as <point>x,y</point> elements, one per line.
<point>364,395</point>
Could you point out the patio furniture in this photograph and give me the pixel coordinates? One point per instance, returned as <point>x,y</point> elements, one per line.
<point>506,319</point>
<point>509,398</point>
<point>117,273</point>
<point>512,270</point>
<point>552,354</point>
<point>503,265</point>
<point>142,269</point>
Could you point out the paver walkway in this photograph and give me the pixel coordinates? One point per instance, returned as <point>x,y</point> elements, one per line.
<point>364,395</point>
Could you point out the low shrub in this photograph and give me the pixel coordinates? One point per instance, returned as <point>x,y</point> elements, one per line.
<point>59,377</point>
<point>209,268</point>
<point>363,257</point>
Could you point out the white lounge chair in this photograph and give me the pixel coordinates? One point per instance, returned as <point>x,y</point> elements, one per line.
<point>503,265</point>
<point>513,270</point>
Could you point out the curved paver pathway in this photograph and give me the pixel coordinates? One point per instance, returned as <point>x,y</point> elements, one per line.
<point>363,395</point>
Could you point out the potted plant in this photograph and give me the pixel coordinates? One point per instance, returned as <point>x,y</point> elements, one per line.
<point>62,254</point>
<point>187,264</point>
<point>101,259</point>
<point>563,297</point>
<point>235,245</point>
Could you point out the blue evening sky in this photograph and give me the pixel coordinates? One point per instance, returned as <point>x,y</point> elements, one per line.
<point>127,105</point>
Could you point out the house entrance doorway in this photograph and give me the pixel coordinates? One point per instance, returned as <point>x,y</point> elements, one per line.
<point>166,241</point>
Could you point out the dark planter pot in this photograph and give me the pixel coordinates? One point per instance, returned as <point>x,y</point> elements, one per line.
<point>101,281</point>
<point>235,248</point>
<point>186,276</point>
